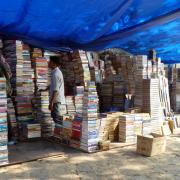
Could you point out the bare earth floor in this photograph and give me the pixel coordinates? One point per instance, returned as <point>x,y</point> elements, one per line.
<point>119,163</point>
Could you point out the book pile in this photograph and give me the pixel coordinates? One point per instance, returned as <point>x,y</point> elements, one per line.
<point>81,67</point>
<point>67,68</point>
<point>126,128</point>
<point>76,131</point>
<point>41,73</point>
<point>103,131</point>
<point>140,73</point>
<point>24,84</point>
<point>67,128</point>
<point>126,66</point>
<point>36,53</point>
<point>3,123</point>
<point>31,130</point>
<point>89,132</point>
<point>176,88</point>
<point>70,105</point>
<point>79,100</point>
<point>43,114</point>
<point>146,126</point>
<point>151,103</point>
<point>118,95</point>
<point>28,72</point>
<point>106,96</point>
<point>113,119</point>
<point>138,124</point>
<point>13,131</point>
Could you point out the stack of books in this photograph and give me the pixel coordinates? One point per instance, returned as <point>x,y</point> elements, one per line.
<point>67,128</point>
<point>106,96</point>
<point>79,91</point>
<point>76,131</point>
<point>151,103</point>
<point>43,114</point>
<point>126,128</point>
<point>146,126</point>
<point>24,86</point>
<point>70,105</point>
<point>13,131</point>
<point>31,130</point>
<point>118,95</point>
<point>89,134</point>
<point>41,73</point>
<point>3,123</point>
<point>140,74</point>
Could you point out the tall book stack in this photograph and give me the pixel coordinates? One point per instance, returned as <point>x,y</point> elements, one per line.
<point>141,73</point>
<point>3,123</point>
<point>89,134</point>
<point>24,84</point>
<point>43,114</point>
<point>151,103</point>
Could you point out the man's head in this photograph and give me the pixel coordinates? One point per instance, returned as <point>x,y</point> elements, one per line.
<point>54,62</point>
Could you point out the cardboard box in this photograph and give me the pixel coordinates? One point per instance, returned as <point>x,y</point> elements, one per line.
<point>151,145</point>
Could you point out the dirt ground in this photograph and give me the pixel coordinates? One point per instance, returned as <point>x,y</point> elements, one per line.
<point>119,163</point>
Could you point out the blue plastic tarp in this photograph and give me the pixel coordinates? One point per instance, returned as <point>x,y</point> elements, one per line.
<point>133,25</point>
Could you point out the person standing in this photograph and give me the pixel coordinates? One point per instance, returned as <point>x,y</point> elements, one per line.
<point>57,96</point>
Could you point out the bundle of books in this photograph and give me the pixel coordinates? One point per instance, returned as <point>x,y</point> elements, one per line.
<point>41,73</point>
<point>13,131</point>
<point>24,84</point>
<point>3,123</point>
<point>89,131</point>
<point>81,67</point>
<point>103,131</point>
<point>118,95</point>
<point>106,96</point>
<point>67,128</point>
<point>151,103</point>
<point>126,128</point>
<point>79,90</point>
<point>138,124</point>
<point>31,130</point>
<point>176,88</point>
<point>140,73</point>
<point>67,68</point>
<point>43,114</point>
<point>76,131</point>
<point>70,105</point>
<point>146,126</point>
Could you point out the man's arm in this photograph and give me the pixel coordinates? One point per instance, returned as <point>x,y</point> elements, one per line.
<point>55,93</point>
<point>56,83</point>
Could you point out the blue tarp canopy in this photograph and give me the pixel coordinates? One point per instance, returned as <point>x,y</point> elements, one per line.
<point>133,25</point>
